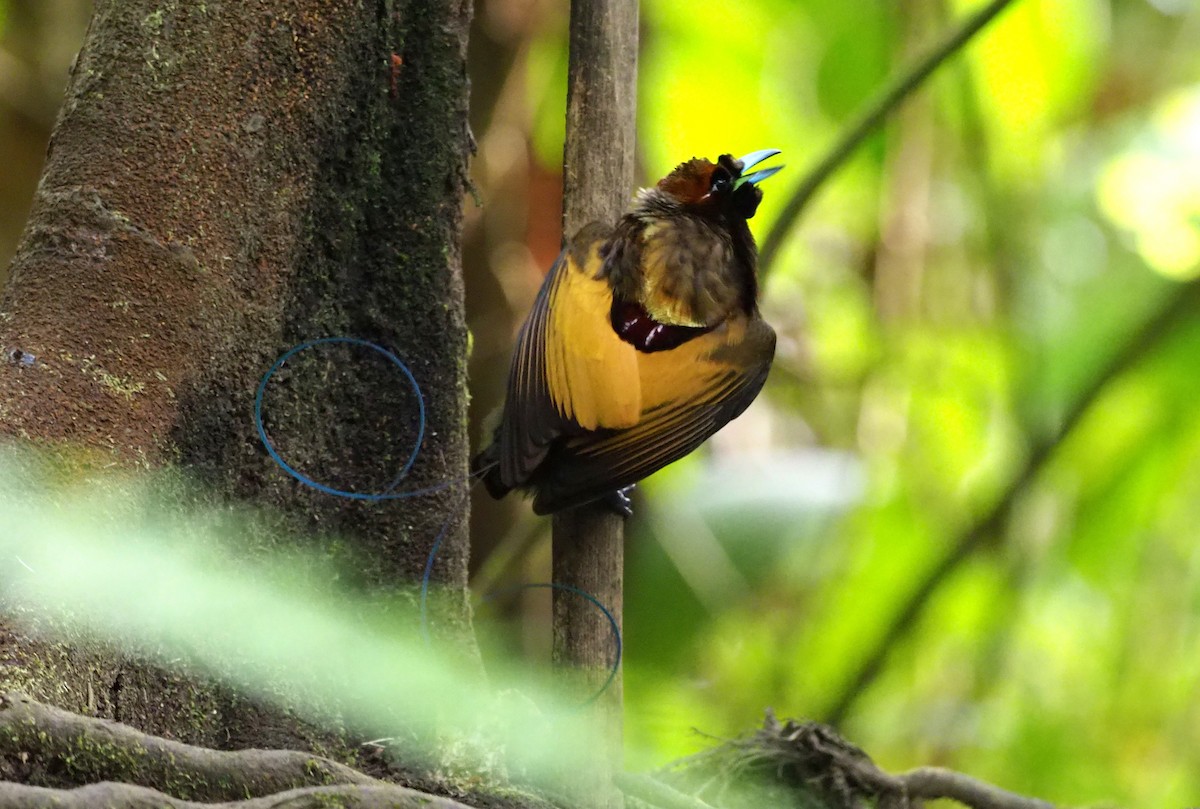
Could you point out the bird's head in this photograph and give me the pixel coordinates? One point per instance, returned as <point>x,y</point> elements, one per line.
<point>725,187</point>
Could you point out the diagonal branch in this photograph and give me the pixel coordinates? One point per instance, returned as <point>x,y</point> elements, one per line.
<point>1180,305</point>
<point>867,121</point>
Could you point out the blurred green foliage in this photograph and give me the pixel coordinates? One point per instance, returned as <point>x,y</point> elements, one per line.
<point>141,562</point>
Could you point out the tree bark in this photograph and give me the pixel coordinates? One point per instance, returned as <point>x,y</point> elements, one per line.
<point>226,180</point>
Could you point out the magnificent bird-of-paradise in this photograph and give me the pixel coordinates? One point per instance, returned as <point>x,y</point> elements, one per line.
<point>644,340</point>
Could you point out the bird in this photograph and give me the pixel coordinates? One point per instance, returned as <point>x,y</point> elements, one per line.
<point>644,340</point>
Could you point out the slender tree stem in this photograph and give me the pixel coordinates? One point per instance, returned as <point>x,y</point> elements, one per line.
<point>867,121</point>
<point>588,542</point>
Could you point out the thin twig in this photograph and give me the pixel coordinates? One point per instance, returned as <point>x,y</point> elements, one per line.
<point>868,120</point>
<point>987,527</point>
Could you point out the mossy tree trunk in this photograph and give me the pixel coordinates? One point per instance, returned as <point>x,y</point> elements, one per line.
<point>227,180</point>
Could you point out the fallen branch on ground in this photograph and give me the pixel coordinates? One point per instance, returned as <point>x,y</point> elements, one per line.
<point>814,759</point>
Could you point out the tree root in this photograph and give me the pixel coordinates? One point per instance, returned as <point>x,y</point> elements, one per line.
<point>53,758</point>
<point>63,760</point>
<point>129,796</point>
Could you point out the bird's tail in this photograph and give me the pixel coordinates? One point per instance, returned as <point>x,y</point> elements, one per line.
<point>487,465</point>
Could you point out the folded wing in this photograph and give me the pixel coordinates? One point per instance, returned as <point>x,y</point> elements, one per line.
<point>688,393</point>
<point>571,373</point>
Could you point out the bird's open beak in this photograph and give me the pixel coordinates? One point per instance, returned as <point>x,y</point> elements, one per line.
<point>753,159</point>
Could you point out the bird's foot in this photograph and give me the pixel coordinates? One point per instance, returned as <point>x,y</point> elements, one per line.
<point>618,500</point>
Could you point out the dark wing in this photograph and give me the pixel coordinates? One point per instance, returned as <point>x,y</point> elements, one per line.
<point>570,371</point>
<point>530,421</point>
<point>689,393</point>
